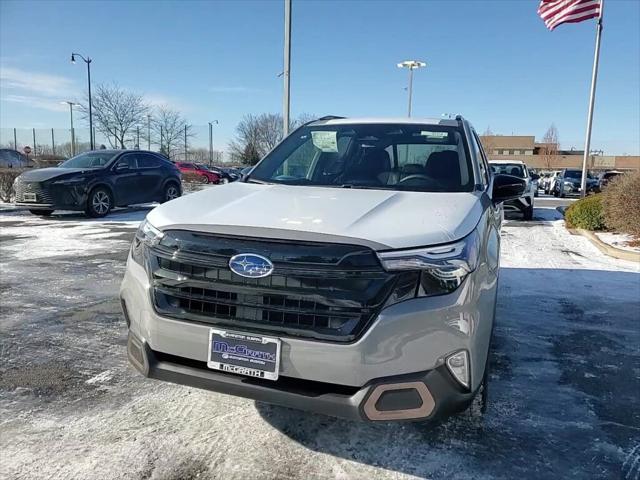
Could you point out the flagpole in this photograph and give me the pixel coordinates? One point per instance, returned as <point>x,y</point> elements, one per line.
<point>592,97</point>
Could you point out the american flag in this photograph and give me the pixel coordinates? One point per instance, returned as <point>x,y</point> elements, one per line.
<point>557,12</point>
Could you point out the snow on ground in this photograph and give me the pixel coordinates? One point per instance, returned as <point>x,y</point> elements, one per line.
<point>618,240</point>
<point>565,377</point>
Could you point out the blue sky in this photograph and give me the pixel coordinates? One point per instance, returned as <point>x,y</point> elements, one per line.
<point>492,61</point>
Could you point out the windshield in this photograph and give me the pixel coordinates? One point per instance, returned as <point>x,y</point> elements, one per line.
<point>515,169</point>
<point>413,157</point>
<point>88,160</point>
<point>573,174</point>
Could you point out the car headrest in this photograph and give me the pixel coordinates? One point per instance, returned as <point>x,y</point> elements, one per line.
<point>444,167</point>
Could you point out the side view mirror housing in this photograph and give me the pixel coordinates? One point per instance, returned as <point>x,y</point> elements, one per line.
<point>122,167</point>
<point>507,187</point>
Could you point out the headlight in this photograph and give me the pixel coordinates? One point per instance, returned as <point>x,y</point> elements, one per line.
<point>569,184</point>
<point>442,269</point>
<point>147,235</point>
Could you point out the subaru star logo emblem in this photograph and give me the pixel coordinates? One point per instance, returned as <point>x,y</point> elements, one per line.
<point>251,265</point>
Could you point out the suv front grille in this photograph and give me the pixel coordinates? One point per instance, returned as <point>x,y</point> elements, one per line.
<point>42,193</point>
<point>324,291</point>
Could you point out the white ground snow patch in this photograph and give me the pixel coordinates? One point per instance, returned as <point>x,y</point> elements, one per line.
<point>65,234</point>
<point>618,240</point>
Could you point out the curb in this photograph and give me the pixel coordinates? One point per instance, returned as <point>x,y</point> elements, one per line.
<point>605,247</point>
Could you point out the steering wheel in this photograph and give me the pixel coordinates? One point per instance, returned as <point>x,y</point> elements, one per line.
<point>416,176</point>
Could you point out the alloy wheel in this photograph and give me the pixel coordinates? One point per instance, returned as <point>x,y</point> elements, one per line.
<point>101,202</point>
<point>172,192</point>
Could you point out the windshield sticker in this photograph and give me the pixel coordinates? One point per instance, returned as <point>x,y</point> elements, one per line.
<point>326,141</point>
<point>435,135</point>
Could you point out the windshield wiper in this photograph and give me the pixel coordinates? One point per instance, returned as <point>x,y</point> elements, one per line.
<point>259,182</point>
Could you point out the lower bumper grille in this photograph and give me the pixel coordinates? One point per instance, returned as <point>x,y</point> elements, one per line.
<point>32,192</point>
<point>307,295</point>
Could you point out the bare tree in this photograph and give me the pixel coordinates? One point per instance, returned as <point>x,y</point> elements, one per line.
<point>256,135</point>
<point>488,142</point>
<point>201,155</point>
<point>169,126</point>
<point>116,113</point>
<point>550,146</point>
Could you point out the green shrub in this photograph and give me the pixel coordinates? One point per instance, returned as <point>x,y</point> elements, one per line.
<point>586,213</point>
<point>621,204</point>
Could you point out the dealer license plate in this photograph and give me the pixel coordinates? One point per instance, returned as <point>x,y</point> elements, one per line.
<point>244,354</point>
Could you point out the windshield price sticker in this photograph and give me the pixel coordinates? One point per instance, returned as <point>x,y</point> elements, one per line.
<point>325,141</point>
<point>437,135</point>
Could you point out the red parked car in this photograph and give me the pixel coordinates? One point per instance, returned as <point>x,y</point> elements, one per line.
<point>207,175</point>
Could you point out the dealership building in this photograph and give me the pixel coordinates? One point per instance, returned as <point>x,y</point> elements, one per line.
<point>535,155</point>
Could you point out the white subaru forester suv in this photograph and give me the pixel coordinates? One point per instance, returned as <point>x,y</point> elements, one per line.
<point>353,272</point>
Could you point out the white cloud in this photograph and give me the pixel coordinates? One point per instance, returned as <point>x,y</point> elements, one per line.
<point>35,83</point>
<point>35,89</point>
<point>36,102</point>
<point>164,101</point>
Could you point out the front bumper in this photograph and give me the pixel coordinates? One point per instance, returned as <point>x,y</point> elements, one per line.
<point>407,342</point>
<point>427,396</point>
<point>56,197</point>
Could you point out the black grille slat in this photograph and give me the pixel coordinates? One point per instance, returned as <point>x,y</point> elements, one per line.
<point>43,194</point>
<point>322,291</point>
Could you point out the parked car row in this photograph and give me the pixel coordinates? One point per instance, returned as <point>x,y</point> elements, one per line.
<point>97,181</point>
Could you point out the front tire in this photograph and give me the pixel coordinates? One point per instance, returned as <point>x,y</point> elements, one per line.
<point>41,213</point>
<point>99,203</point>
<point>205,179</point>
<point>171,191</point>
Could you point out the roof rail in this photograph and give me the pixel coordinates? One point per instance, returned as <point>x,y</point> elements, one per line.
<point>330,117</point>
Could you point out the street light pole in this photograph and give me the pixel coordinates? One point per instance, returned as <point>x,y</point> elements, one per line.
<point>73,138</point>
<point>286,103</point>
<point>211,141</point>
<point>149,132</point>
<point>88,62</point>
<point>411,65</point>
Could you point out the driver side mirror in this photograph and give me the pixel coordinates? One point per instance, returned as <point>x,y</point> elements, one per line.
<point>507,187</point>
<point>122,167</point>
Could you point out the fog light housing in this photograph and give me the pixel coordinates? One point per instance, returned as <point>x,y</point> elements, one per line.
<point>458,365</point>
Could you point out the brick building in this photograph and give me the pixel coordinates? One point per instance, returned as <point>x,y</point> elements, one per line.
<point>525,148</point>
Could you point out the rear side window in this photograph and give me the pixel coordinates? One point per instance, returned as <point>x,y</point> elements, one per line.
<point>148,161</point>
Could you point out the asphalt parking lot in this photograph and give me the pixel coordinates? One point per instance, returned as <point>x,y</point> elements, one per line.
<point>564,392</point>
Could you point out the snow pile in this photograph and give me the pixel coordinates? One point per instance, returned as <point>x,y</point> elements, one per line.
<point>618,240</point>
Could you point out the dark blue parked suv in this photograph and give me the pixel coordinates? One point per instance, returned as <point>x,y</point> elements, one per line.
<point>97,181</point>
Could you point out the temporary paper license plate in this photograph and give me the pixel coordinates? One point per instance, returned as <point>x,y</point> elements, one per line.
<point>29,197</point>
<point>244,354</point>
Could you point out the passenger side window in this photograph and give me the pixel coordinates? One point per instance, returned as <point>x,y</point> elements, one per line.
<point>147,161</point>
<point>130,160</point>
<point>482,160</point>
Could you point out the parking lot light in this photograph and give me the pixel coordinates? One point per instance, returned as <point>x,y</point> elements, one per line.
<point>411,65</point>
<point>73,141</point>
<point>88,62</point>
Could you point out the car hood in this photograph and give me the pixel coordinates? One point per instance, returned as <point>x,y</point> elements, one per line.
<point>44,174</point>
<point>380,219</point>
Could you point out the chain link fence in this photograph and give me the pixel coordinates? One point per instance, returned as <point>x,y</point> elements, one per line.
<point>193,145</point>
